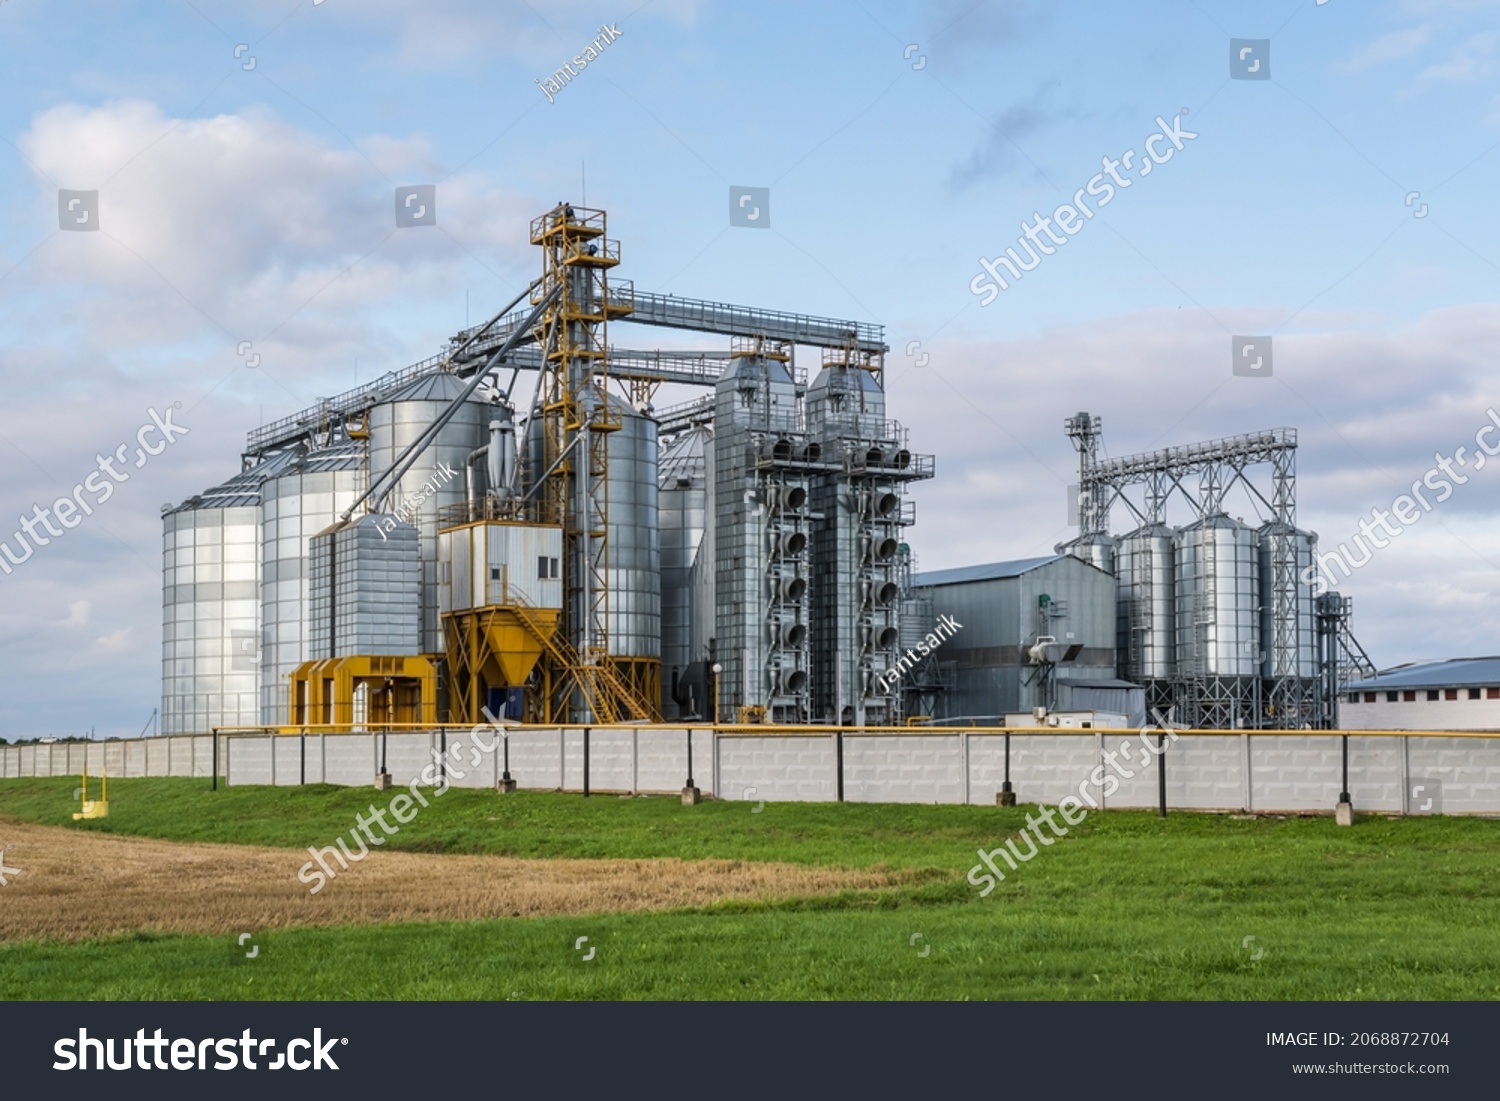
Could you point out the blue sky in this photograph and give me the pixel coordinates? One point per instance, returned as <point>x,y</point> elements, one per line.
<point>250,198</point>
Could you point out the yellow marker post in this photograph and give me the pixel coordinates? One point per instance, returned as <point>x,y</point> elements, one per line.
<point>94,808</point>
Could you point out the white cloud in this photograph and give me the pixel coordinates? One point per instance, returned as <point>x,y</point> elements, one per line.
<point>436,34</point>
<point>116,642</point>
<point>78,614</point>
<point>1388,47</point>
<point>1470,62</point>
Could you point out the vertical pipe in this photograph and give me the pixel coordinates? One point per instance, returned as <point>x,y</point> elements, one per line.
<point>1344,794</point>
<point>586,761</point>
<point>443,754</point>
<point>216,762</point>
<point>302,747</point>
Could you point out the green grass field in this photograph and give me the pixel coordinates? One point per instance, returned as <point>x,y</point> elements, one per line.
<point>1127,907</point>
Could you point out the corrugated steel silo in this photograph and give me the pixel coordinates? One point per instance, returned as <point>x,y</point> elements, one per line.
<point>436,480</point>
<point>1218,599</point>
<point>310,492</point>
<point>211,632</point>
<point>1147,612</point>
<point>633,545</point>
<point>683,481</point>
<point>1095,548</point>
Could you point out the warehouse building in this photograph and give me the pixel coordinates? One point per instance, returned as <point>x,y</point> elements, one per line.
<point>1035,632</point>
<point>1457,694</point>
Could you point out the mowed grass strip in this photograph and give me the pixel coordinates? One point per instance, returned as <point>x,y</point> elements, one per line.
<point>524,824</point>
<point>77,884</point>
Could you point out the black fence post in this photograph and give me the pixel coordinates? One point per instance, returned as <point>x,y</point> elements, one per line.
<point>838,741</point>
<point>1161,774</point>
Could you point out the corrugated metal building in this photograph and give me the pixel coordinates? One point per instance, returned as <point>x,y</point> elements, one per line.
<point>1002,609</point>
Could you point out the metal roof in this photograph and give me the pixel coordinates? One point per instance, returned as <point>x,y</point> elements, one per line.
<point>1453,673</point>
<point>994,571</point>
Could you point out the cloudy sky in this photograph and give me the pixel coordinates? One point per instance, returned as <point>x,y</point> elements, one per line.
<point>245,158</point>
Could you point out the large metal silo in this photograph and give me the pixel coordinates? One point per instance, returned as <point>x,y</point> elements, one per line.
<point>308,494</point>
<point>1147,612</point>
<point>211,637</point>
<point>633,546</point>
<point>1095,548</point>
<point>436,480</point>
<point>1219,651</point>
<point>682,476</point>
<point>1288,618</point>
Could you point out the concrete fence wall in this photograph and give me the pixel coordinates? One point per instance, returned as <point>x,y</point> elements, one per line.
<point>1268,772</point>
<point>178,755</point>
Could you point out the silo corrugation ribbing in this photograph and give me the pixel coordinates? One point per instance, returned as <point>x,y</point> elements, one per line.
<point>682,480</point>
<point>436,480</point>
<point>364,582</point>
<point>1096,549</point>
<point>309,494</point>
<point>633,547</point>
<point>211,636</point>
<point>1218,599</point>
<point>1144,561</point>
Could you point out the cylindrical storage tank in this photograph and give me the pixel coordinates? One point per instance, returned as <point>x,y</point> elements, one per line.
<point>1217,597</point>
<point>634,547</point>
<point>1147,613</point>
<point>436,480</point>
<point>682,510</point>
<point>211,638</point>
<point>311,491</point>
<point>1096,549</point>
<point>1287,603</point>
